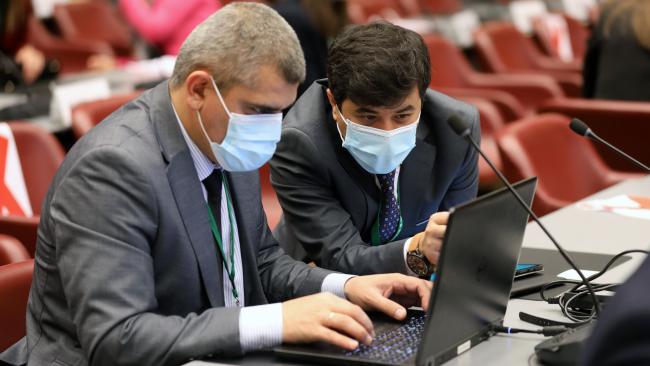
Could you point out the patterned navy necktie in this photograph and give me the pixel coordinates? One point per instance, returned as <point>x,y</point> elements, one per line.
<point>389,214</point>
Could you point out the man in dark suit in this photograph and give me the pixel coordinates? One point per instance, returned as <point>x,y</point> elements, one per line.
<point>621,335</point>
<point>367,161</point>
<point>153,238</point>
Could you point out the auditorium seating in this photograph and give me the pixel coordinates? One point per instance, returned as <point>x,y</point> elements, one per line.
<point>568,167</point>
<point>452,73</point>
<point>12,250</point>
<point>15,281</point>
<point>94,21</point>
<point>503,49</point>
<point>71,55</point>
<point>40,156</point>
<point>624,124</point>
<point>87,115</point>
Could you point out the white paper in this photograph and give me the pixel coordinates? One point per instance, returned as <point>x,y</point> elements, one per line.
<point>464,24</point>
<point>579,9</point>
<point>150,70</point>
<point>573,275</point>
<point>620,205</point>
<point>45,8</point>
<point>524,11</point>
<point>67,96</point>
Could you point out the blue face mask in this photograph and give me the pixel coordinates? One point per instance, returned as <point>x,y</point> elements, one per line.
<point>250,139</point>
<point>376,150</point>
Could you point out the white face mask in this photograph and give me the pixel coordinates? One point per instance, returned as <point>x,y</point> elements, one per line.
<point>376,150</point>
<point>250,139</point>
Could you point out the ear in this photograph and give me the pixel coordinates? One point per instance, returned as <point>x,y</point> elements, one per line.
<point>330,98</point>
<point>197,85</point>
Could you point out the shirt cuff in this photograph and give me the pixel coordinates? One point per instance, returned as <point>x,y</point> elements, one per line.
<point>335,283</point>
<point>260,327</point>
<point>406,250</point>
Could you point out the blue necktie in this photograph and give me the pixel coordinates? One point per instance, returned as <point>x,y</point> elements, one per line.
<point>389,214</point>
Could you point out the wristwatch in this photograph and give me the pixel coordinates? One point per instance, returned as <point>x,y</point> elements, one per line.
<point>418,263</point>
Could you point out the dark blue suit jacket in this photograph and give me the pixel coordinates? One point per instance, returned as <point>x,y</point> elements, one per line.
<point>330,203</point>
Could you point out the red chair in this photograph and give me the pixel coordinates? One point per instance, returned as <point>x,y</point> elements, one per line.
<point>515,95</point>
<point>40,156</point>
<point>270,202</point>
<point>94,21</point>
<point>503,49</point>
<point>15,281</point>
<point>87,115</point>
<point>624,124</point>
<point>72,56</point>
<point>12,250</point>
<point>491,122</point>
<point>362,11</point>
<point>568,167</point>
<point>441,7</point>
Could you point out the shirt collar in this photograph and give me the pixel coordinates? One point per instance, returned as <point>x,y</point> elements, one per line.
<point>203,165</point>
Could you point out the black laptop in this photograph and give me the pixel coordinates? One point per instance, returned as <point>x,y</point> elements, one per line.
<point>470,293</point>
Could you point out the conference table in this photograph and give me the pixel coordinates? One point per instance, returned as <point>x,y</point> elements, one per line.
<point>576,230</point>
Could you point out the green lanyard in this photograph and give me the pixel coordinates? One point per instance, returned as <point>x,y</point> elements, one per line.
<point>374,232</point>
<point>217,236</point>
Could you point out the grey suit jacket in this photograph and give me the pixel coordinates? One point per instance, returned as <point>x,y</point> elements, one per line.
<point>127,271</point>
<point>330,203</point>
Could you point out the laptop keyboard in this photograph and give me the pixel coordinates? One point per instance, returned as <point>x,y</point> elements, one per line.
<point>395,346</point>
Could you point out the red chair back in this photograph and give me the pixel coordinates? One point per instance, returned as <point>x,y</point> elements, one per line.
<point>568,167</point>
<point>87,115</point>
<point>15,281</point>
<point>503,48</point>
<point>94,21</point>
<point>40,156</point>
<point>624,124</point>
<point>12,250</point>
<point>270,201</point>
<point>448,65</point>
<point>441,7</point>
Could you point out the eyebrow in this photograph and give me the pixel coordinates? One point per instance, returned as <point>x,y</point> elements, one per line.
<point>408,108</point>
<point>264,108</point>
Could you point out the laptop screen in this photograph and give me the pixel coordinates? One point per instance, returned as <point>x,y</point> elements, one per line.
<point>475,272</point>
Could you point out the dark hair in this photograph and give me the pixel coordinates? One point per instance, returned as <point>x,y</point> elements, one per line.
<point>377,64</point>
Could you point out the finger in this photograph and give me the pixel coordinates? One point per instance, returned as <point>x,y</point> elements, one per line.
<point>416,288</point>
<point>387,306</point>
<point>337,339</point>
<point>347,325</point>
<point>353,311</point>
<point>440,218</point>
<point>438,231</point>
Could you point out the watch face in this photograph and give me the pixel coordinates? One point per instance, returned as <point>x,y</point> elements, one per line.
<point>417,264</point>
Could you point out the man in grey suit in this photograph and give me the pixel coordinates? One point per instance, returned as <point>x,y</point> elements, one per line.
<point>153,238</point>
<point>367,166</point>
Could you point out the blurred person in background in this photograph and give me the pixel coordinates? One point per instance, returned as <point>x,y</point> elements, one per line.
<point>22,64</point>
<point>617,64</point>
<point>315,22</point>
<point>166,23</point>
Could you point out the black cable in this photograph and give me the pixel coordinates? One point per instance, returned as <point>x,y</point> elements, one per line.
<point>567,300</point>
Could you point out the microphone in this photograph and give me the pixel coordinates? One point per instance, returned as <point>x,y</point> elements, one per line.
<point>582,129</point>
<point>462,129</point>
